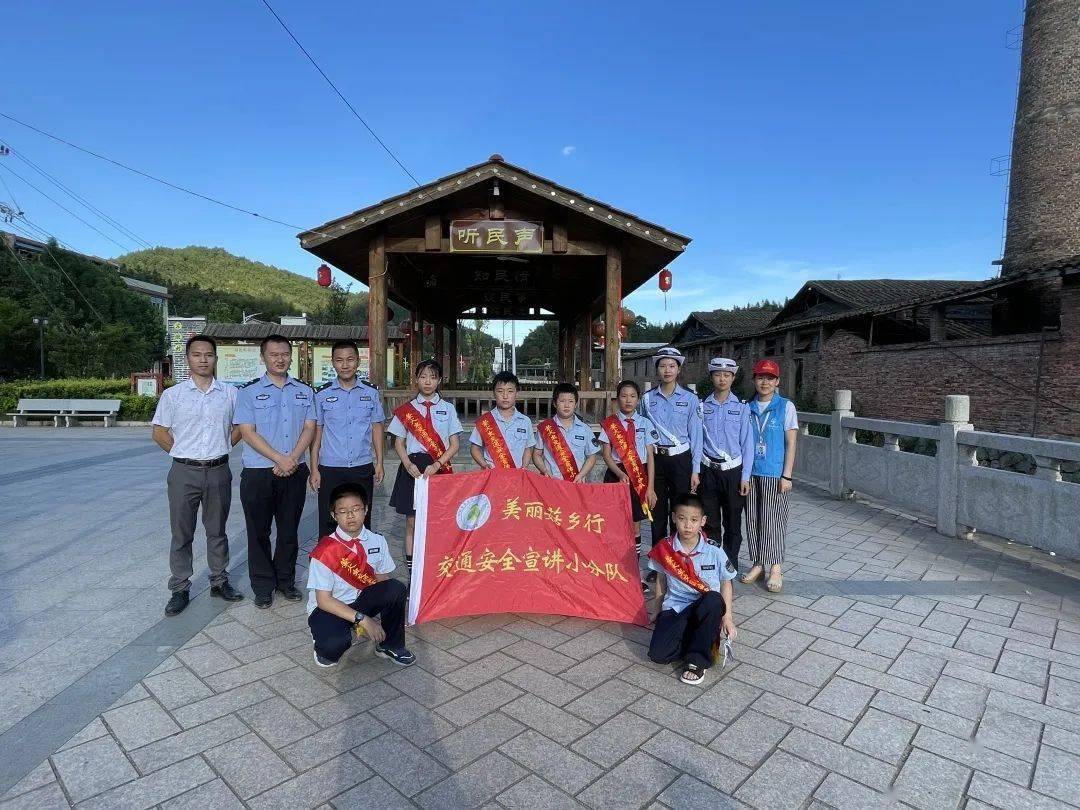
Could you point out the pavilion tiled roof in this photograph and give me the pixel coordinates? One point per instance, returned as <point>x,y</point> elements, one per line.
<point>258,330</point>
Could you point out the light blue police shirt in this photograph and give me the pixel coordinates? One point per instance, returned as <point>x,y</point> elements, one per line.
<point>726,431</point>
<point>579,438</point>
<point>278,415</point>
<point>346,416</point>
<point>677,419</point>
<point>517,430</point>
<point>710,563</point>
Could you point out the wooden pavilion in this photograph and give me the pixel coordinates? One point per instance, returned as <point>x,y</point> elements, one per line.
<point>495,241</point>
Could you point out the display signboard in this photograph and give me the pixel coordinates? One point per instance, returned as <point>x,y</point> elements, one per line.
<point>496,236</point>
<point>322,367</point>
<point>239,363</point>
<point>180,329</point>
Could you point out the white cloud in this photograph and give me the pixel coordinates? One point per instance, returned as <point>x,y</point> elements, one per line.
<point>568,150</point>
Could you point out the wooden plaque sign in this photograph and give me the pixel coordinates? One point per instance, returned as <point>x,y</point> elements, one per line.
<point>496,236</point>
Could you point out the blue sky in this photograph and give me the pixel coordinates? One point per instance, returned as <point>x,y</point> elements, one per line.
<point>791,140</point>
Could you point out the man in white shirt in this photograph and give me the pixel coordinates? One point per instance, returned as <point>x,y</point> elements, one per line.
<point>193,424</point>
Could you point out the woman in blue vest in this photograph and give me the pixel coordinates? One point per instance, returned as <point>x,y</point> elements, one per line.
<point>775,425</point>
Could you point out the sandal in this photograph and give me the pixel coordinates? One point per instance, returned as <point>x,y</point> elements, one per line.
<point>752,576</point>
<point>775,583</point>
<point>693,674</point>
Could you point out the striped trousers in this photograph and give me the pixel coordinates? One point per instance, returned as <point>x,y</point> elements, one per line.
<point>765,519</point>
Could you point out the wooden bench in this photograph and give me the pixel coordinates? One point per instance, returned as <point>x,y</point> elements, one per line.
<point>106,409</point>
<point>39,409</point>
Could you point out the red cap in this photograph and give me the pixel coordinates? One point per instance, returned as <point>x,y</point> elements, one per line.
<point>768,367</point>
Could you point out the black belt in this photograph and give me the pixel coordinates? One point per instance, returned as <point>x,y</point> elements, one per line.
<point>665,450</point>
<point>194,462</point>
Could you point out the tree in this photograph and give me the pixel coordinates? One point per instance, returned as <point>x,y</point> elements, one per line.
<point>541,345</point>
<point>338,307</point>
<point>481,352</point>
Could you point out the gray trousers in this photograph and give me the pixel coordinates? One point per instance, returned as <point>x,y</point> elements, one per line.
<point>188,488</point>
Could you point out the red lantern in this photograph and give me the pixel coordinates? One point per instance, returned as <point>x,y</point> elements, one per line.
<point>626,317</point>
<point>598,329</point>
<point>665,280</point>
<point>623,332</point>
<point>323,276</point>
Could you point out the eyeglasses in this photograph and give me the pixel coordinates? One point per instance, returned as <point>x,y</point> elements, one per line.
<point>356,510</point>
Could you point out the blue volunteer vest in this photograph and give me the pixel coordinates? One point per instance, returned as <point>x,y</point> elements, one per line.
<point>772,466</point>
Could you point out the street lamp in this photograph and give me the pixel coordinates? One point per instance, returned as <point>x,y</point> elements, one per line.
<point>41,323</point>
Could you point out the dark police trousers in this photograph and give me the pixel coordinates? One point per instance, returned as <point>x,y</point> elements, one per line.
<point>688,635</point>
<point>363,474</point>
<point>267,499</point>
<point>671,479</point>
<point>719,489</point>
<point>334,635</point>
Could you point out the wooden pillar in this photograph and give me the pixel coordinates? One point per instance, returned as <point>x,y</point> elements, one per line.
<point>612,305</point>
<point>377,267</point>
<point>416,341</point>
<point>564,368</point>
<point>584,341</point>
<point>440,345</point>
<point>452,366</point>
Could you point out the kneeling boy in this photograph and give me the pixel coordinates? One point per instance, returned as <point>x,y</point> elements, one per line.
<point>348,586</point>
<point>695,601</point>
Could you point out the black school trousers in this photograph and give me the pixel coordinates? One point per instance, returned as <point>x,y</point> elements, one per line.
<point>270,500</point>
<point>333,635</point>
<point>671,479</point>
<point>688,635</point>
<point>719,489</point>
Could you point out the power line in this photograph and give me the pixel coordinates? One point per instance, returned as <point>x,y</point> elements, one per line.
<point>77,197</point>
<point>149,176</point>
<point>64,207</point>
<point>339,93</point>
<point>11,194</point>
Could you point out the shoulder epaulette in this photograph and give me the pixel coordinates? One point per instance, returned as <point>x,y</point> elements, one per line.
<point>326,384</point>
<point>251,382</point>
<point>369,383</point>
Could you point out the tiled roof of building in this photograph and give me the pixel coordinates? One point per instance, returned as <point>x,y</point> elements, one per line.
<point>729,323</point>
<point>259,329</point>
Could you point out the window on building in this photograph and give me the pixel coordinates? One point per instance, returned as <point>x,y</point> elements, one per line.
<point>771,346</point>
<point>808,341</point>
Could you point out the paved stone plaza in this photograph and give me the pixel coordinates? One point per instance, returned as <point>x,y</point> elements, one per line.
<point>897,668</point>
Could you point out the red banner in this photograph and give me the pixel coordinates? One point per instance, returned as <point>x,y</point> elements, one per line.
<point>424,432</point>
<point>513,541</point>
<point>494,442</point>
<point>560,449</point>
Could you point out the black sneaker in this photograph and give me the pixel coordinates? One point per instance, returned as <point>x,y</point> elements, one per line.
<point>226,591</point>
<point>177,602</point>
<point>402,659</point>
<point>264,601</point>
<point>292,593</point>
<point>325,663</point>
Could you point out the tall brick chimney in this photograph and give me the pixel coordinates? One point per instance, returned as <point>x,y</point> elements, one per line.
<point>1044,185</point>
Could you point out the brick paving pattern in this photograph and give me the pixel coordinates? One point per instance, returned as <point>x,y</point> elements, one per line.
<point>898,668</point>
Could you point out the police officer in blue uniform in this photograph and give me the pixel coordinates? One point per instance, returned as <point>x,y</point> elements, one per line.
<point>676,414</point>
<point>348,444</point>
<point>276,416</point>
<point>727,457</point>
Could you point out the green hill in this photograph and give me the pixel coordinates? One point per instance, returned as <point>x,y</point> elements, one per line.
<point>215,269</point>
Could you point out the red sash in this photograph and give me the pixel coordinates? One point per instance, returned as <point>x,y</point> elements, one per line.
<point>564,457</point>
<point>623,441</point>
<point>351,566</point>
<point>421,430</point>
<point>680,566</point>
<point>494,442</point>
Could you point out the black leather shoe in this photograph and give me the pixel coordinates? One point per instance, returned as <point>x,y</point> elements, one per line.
<point>226,591</point>
<point>292,593</point>
<point>263,602</point>
<point>177,602</point>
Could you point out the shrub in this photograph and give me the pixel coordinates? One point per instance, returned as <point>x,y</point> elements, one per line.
<point>132,407</point>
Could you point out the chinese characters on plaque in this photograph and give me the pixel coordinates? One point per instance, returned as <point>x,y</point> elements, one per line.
<point>496,236</point>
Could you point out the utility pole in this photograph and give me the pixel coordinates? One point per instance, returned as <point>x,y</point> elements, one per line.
<point>41,323</point>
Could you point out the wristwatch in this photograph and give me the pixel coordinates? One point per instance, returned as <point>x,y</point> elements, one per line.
<point>359,617</point>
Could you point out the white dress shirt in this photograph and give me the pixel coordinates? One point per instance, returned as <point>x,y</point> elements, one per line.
<point>200,421</point>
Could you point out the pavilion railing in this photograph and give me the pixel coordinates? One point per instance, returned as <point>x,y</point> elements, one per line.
<point>592,405</point>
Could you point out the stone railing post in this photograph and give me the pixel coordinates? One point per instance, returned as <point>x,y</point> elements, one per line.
<point>957,414</point>
<point>837,440</point>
